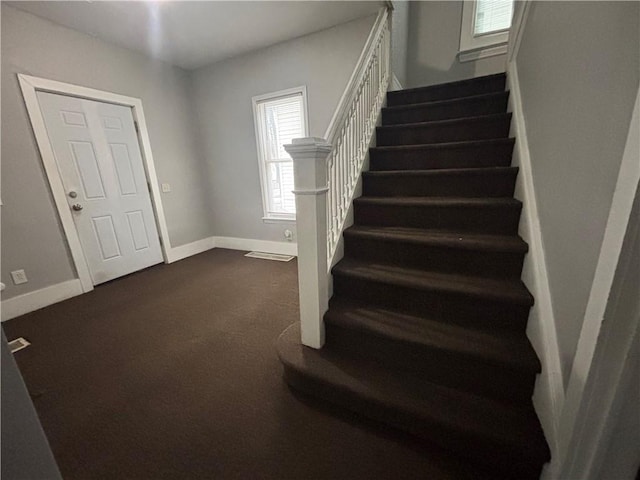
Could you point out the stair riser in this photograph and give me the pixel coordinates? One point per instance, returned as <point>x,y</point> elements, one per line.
<point>466,108</point>
<point>478,219</point>
<point>502,457</point>
<point>435,258</point>
<point>456,371</point>
<point>491,155</point>
<point>457,308</point>
<point>471,185</point>
<point>447,92</point>
<point>496,127</point>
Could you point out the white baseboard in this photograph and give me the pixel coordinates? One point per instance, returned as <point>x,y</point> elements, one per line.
<point>29,302</point>
<point>548,397</point>
<point>189,249</point>
<point>232,243</point>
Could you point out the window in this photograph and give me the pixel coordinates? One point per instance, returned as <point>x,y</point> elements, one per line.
<point>485,28</point>
<point>279,118</point>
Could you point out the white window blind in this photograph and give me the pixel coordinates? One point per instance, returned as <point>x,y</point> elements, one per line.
<point>280,120</point>
<point>492,16</point>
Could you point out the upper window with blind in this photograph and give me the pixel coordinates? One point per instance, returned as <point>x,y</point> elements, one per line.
<point>279,118</point>
<point>485,28</point>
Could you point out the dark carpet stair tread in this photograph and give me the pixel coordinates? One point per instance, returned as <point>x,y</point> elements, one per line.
<point>496,182</point>
<point>432,156</point>
<point>489,215</point>
<point>457,89</point>
<point>510,291</point>
<point>510,351</point>
<point>486,103</point>
<point>423,405</point>
<point>440,202</point>
<point>458,240</point>
<point>480,127</point>
<point>446,102</point>
<point>443,172</point>
<point>430,147</point>
<point>453,122</point>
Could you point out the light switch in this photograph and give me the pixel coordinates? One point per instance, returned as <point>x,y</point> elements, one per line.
<point>166,188</point>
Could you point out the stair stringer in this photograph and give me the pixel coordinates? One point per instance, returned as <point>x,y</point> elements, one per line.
<point>548,396</point>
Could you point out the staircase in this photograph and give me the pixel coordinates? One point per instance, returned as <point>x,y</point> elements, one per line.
<point>426,327</point>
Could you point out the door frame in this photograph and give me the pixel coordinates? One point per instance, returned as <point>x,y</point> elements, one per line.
<point>30,86</point>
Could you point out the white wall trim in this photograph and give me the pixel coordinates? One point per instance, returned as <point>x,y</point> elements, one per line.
<point>29,302</point>
<point>485,52</point>
<point>613,375</point>
<point>232,243</point>
<point>517,29</point>
<point>30,85</point>
<point>583,366</point>
<point>189,249</point>
<point>249,244</point>
<point>549,390</point>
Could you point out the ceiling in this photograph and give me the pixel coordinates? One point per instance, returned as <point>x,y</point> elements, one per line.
<point>194,34</point>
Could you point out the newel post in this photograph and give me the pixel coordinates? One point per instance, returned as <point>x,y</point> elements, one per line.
<point>310,188</point>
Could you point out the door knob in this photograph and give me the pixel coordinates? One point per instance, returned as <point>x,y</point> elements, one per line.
<point>77,207</point>
<point>73,194</point>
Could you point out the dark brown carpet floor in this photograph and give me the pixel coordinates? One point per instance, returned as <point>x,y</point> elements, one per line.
<point>172,373</point>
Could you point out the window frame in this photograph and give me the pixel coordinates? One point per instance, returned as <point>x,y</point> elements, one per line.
<point>274,217</point>
<point>474,47</point>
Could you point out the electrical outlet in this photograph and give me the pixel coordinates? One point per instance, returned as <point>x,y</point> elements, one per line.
<point>19,277</point>
<point>288,234</point>
<point>166,188</point>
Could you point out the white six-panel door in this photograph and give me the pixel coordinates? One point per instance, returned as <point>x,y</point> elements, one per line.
<point>100,164</point>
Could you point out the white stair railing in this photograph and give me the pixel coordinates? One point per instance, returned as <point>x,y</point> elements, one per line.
<point>352,129</point>
<point>326,173</point>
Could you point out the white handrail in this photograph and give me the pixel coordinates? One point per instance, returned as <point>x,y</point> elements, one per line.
<point>353,127</point>
<point>346,99</point>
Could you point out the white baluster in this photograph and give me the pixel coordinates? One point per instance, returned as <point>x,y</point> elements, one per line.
<point>345,177</point>
<point>352,157</point>
<point>325,178</point>
<point>334,200</point>
<point>331,196</point>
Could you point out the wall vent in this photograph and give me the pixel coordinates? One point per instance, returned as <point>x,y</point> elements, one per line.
<point>269,256</point>
<point>18,344</point>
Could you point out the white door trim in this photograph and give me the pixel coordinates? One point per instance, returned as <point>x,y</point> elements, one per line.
<point>30,85</point>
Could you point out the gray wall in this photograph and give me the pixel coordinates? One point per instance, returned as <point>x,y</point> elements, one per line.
<point>25,450</point>
<point>434,42</point>
<point>322,61</point>
<point>621,457</point>
<point>578,66</point>
<point>399,40</point>
<point>31,235</point>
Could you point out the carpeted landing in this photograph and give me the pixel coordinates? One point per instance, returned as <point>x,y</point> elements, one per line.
<point>172,373</point>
